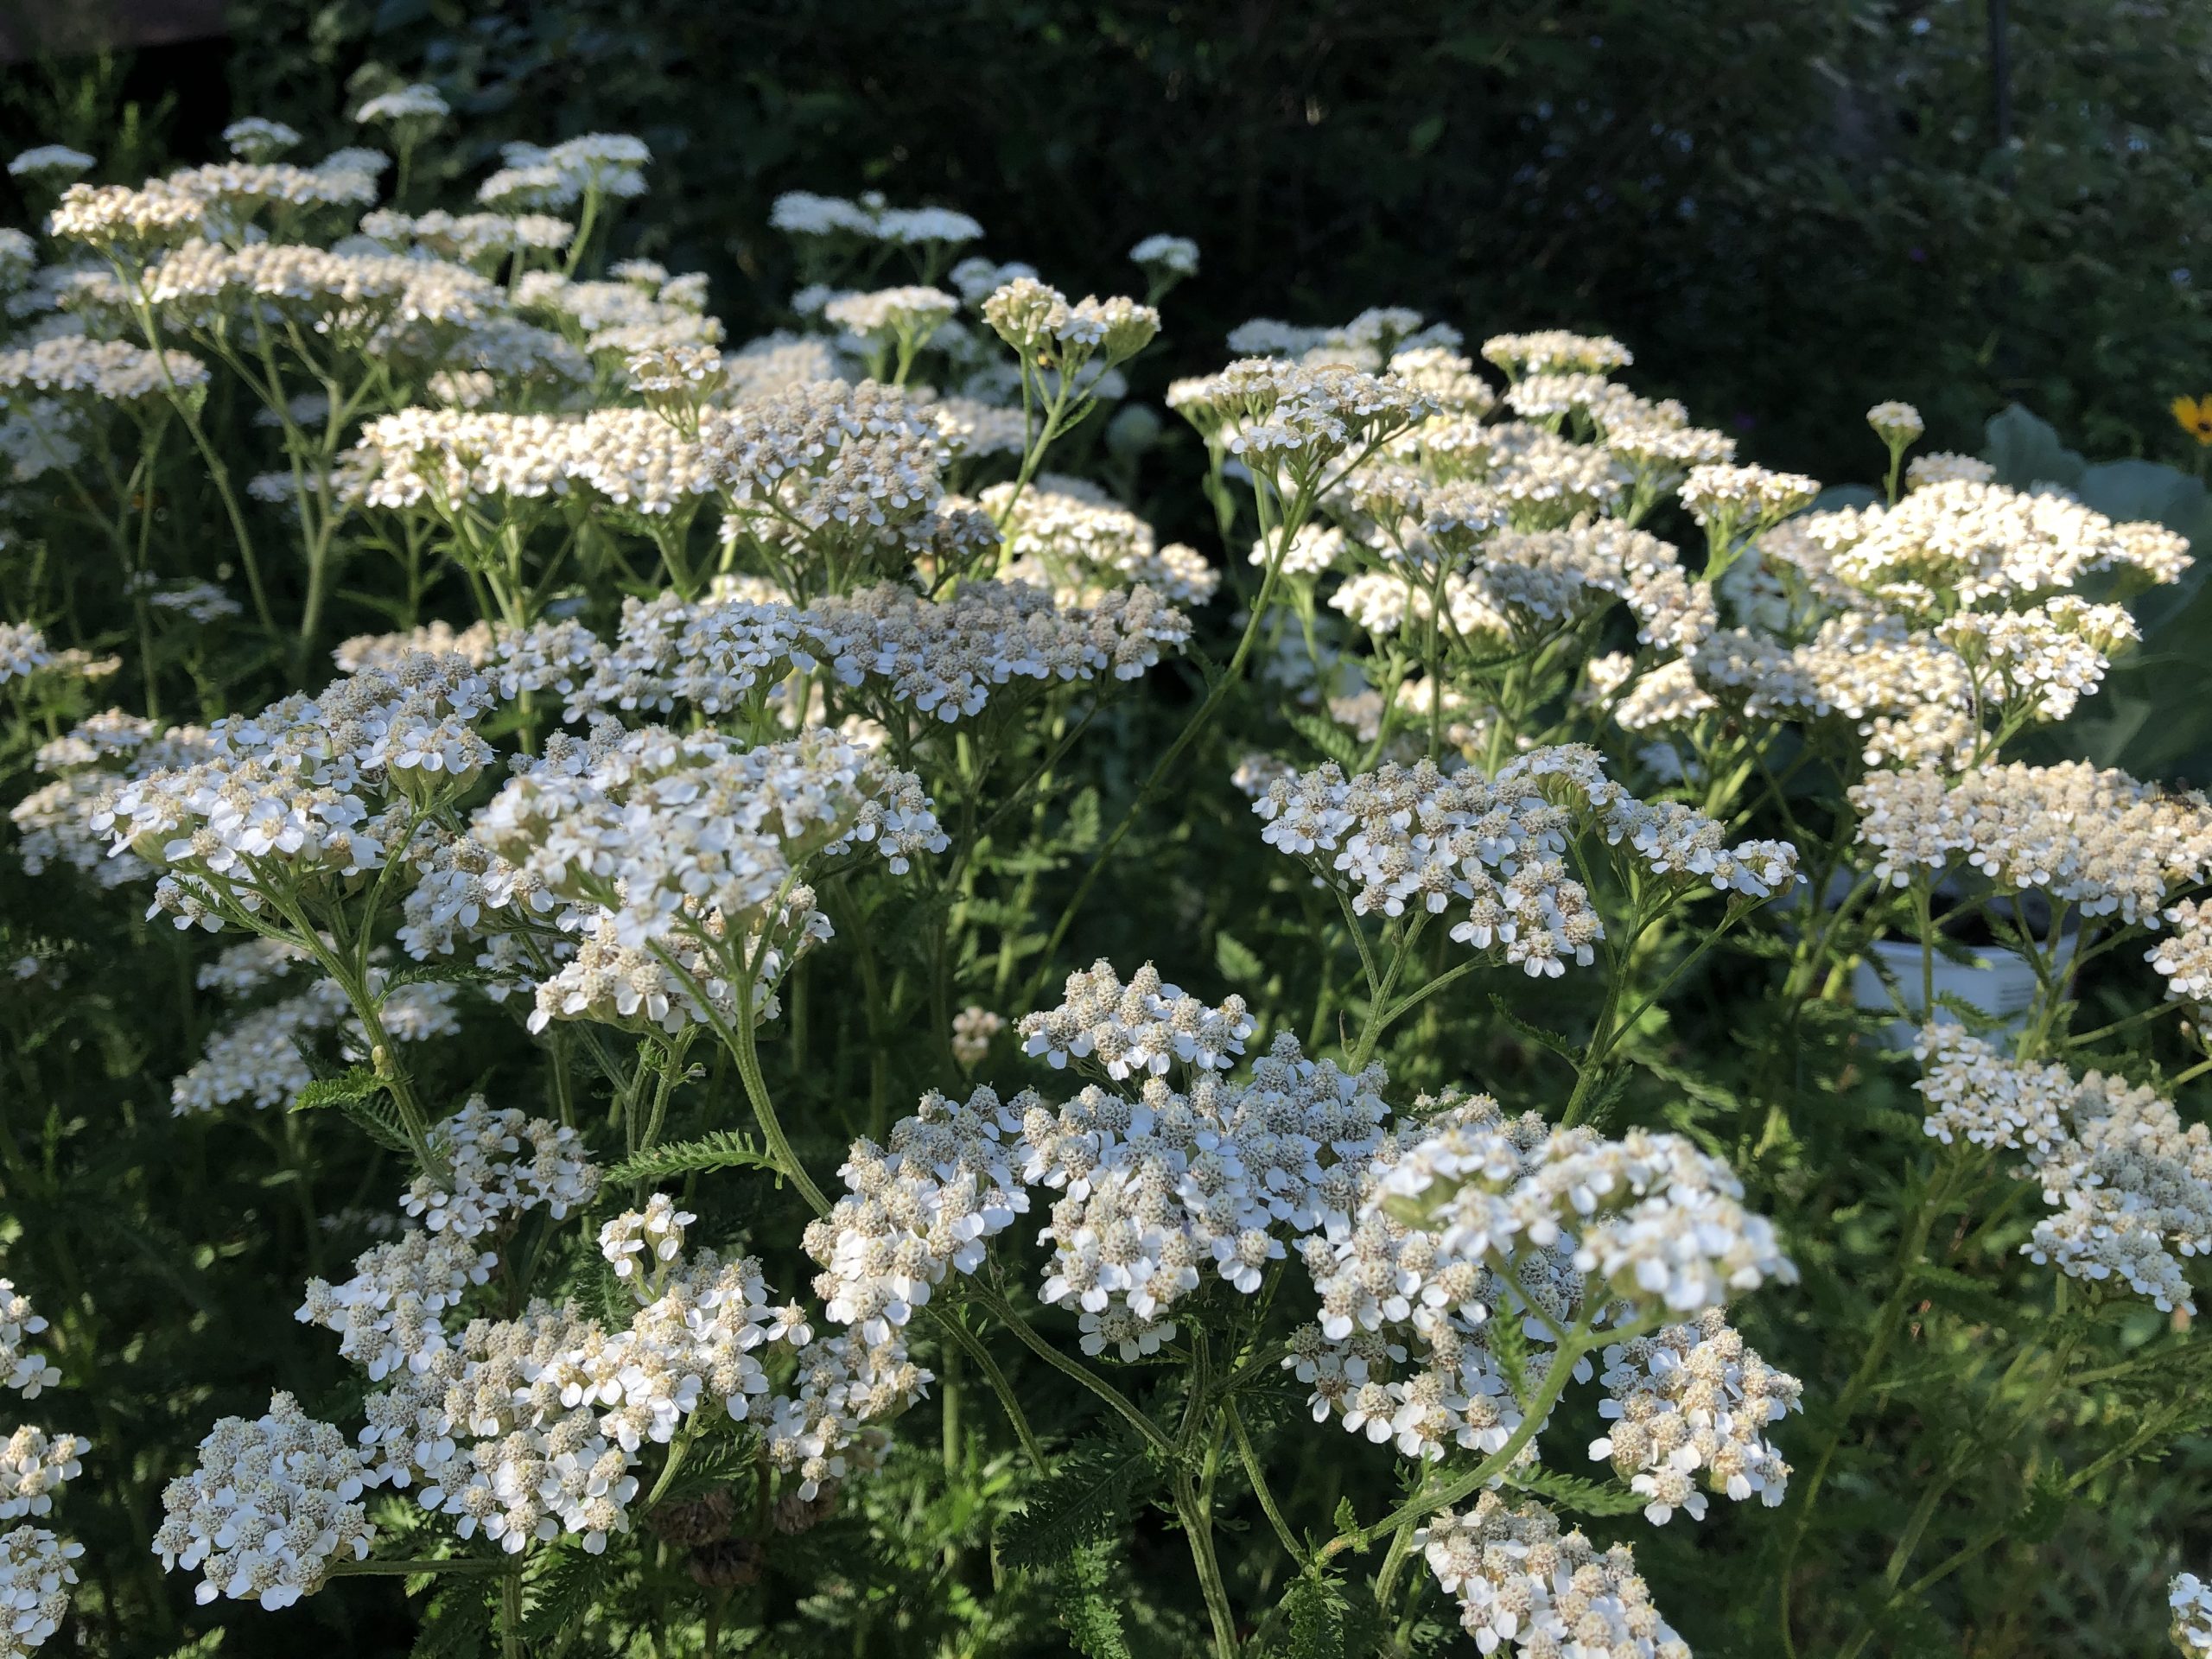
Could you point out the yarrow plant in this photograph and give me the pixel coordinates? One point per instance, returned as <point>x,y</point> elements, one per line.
<point>514,795</point>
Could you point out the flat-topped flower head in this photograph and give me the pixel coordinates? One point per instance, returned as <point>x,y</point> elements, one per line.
<point>1142,1027</point>
<point>269,1509</point>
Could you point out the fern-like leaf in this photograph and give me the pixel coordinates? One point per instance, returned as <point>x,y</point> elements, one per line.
<point>566,1586</point>
<point>1581,1494</point>
<point>1082,1501</point>
<point>724,1149</point>
<point>1092,1621</point>
<point>1328,739</point>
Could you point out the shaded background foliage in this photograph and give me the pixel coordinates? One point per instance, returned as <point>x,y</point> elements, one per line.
<point>1790,211</point>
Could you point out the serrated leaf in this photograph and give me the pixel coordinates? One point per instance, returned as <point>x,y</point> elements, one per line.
<point>1238,961</point>
<point>355,1084</point>
<point>724,1149</point>
<point>1083,825</point>
<point>1083,1500</point>
<point>563,1591</point>
<point>1330,739</point>
<point>458,1624</point>
<point>1316,1615</point>
<point>1092,1620</point>
<point>440,973</point>
<point>1582,1494</point>
<point>1537,1034</point>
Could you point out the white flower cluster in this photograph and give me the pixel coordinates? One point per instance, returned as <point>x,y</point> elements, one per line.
<point>34,1466</point>
<point>944,658</point>
<point>2130,1187</point>
<point>258,1060</point>
<point>269,1509</point>
<point>212,202</point>
<point>1730,498</point>
<point>947,1182</point>
<point>1692,1399</point>
<point>1909,697</point>
<point>1385,1295</point>
<point>1374,339</point>
<point>35,1575</point>
<point>2096,840</point>
<point>1069,536</point>
<point>37,1571</point>
<point>801,213</point>
<point>539,178</point>
<point>417,102</point>
<point>1959,543</point>
<point>2190,1600</point>
<point>1142,1027</point>
<point>1556,351</point>
<point>1282,418</point>
<point>1522,1584</point>
<point>28,1373</point>
<point>309,788</point>
<point>500,1165</point>
<point>108,371</point>
<point>1649,1221</point>
<point>657,827</point>
<point>1152,1192</point>
<point>2184,957</point>
<point>1411,838</point>
<point>451,460</point>
<point>974,1029</point>
<point>831,459</point>
<point>2046,659</point>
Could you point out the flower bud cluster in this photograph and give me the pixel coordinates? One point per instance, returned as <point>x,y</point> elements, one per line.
<point>1694,1399</point>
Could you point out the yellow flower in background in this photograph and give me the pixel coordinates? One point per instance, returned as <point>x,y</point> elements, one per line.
<point>2195,414</point>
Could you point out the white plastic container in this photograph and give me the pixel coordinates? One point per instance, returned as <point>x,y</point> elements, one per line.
<point>1997,981</point>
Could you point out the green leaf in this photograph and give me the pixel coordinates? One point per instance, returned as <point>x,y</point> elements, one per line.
<point>1239,962</point>
<point>724,1149</point>
<point>1582,1494</point>
<point>1509,1345</point>
<point>440,973</point>
<point>2025,451</point>
<point>1328,739</point>
<point>1083,825</point>
<point>1317,1614</point>
<point>1537,1034</point>
<point>1090,1614</point>
<point>356,1084</point>
<point>1083,1500</point>
<point>563,1590</point>
<point>458,1624</point>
